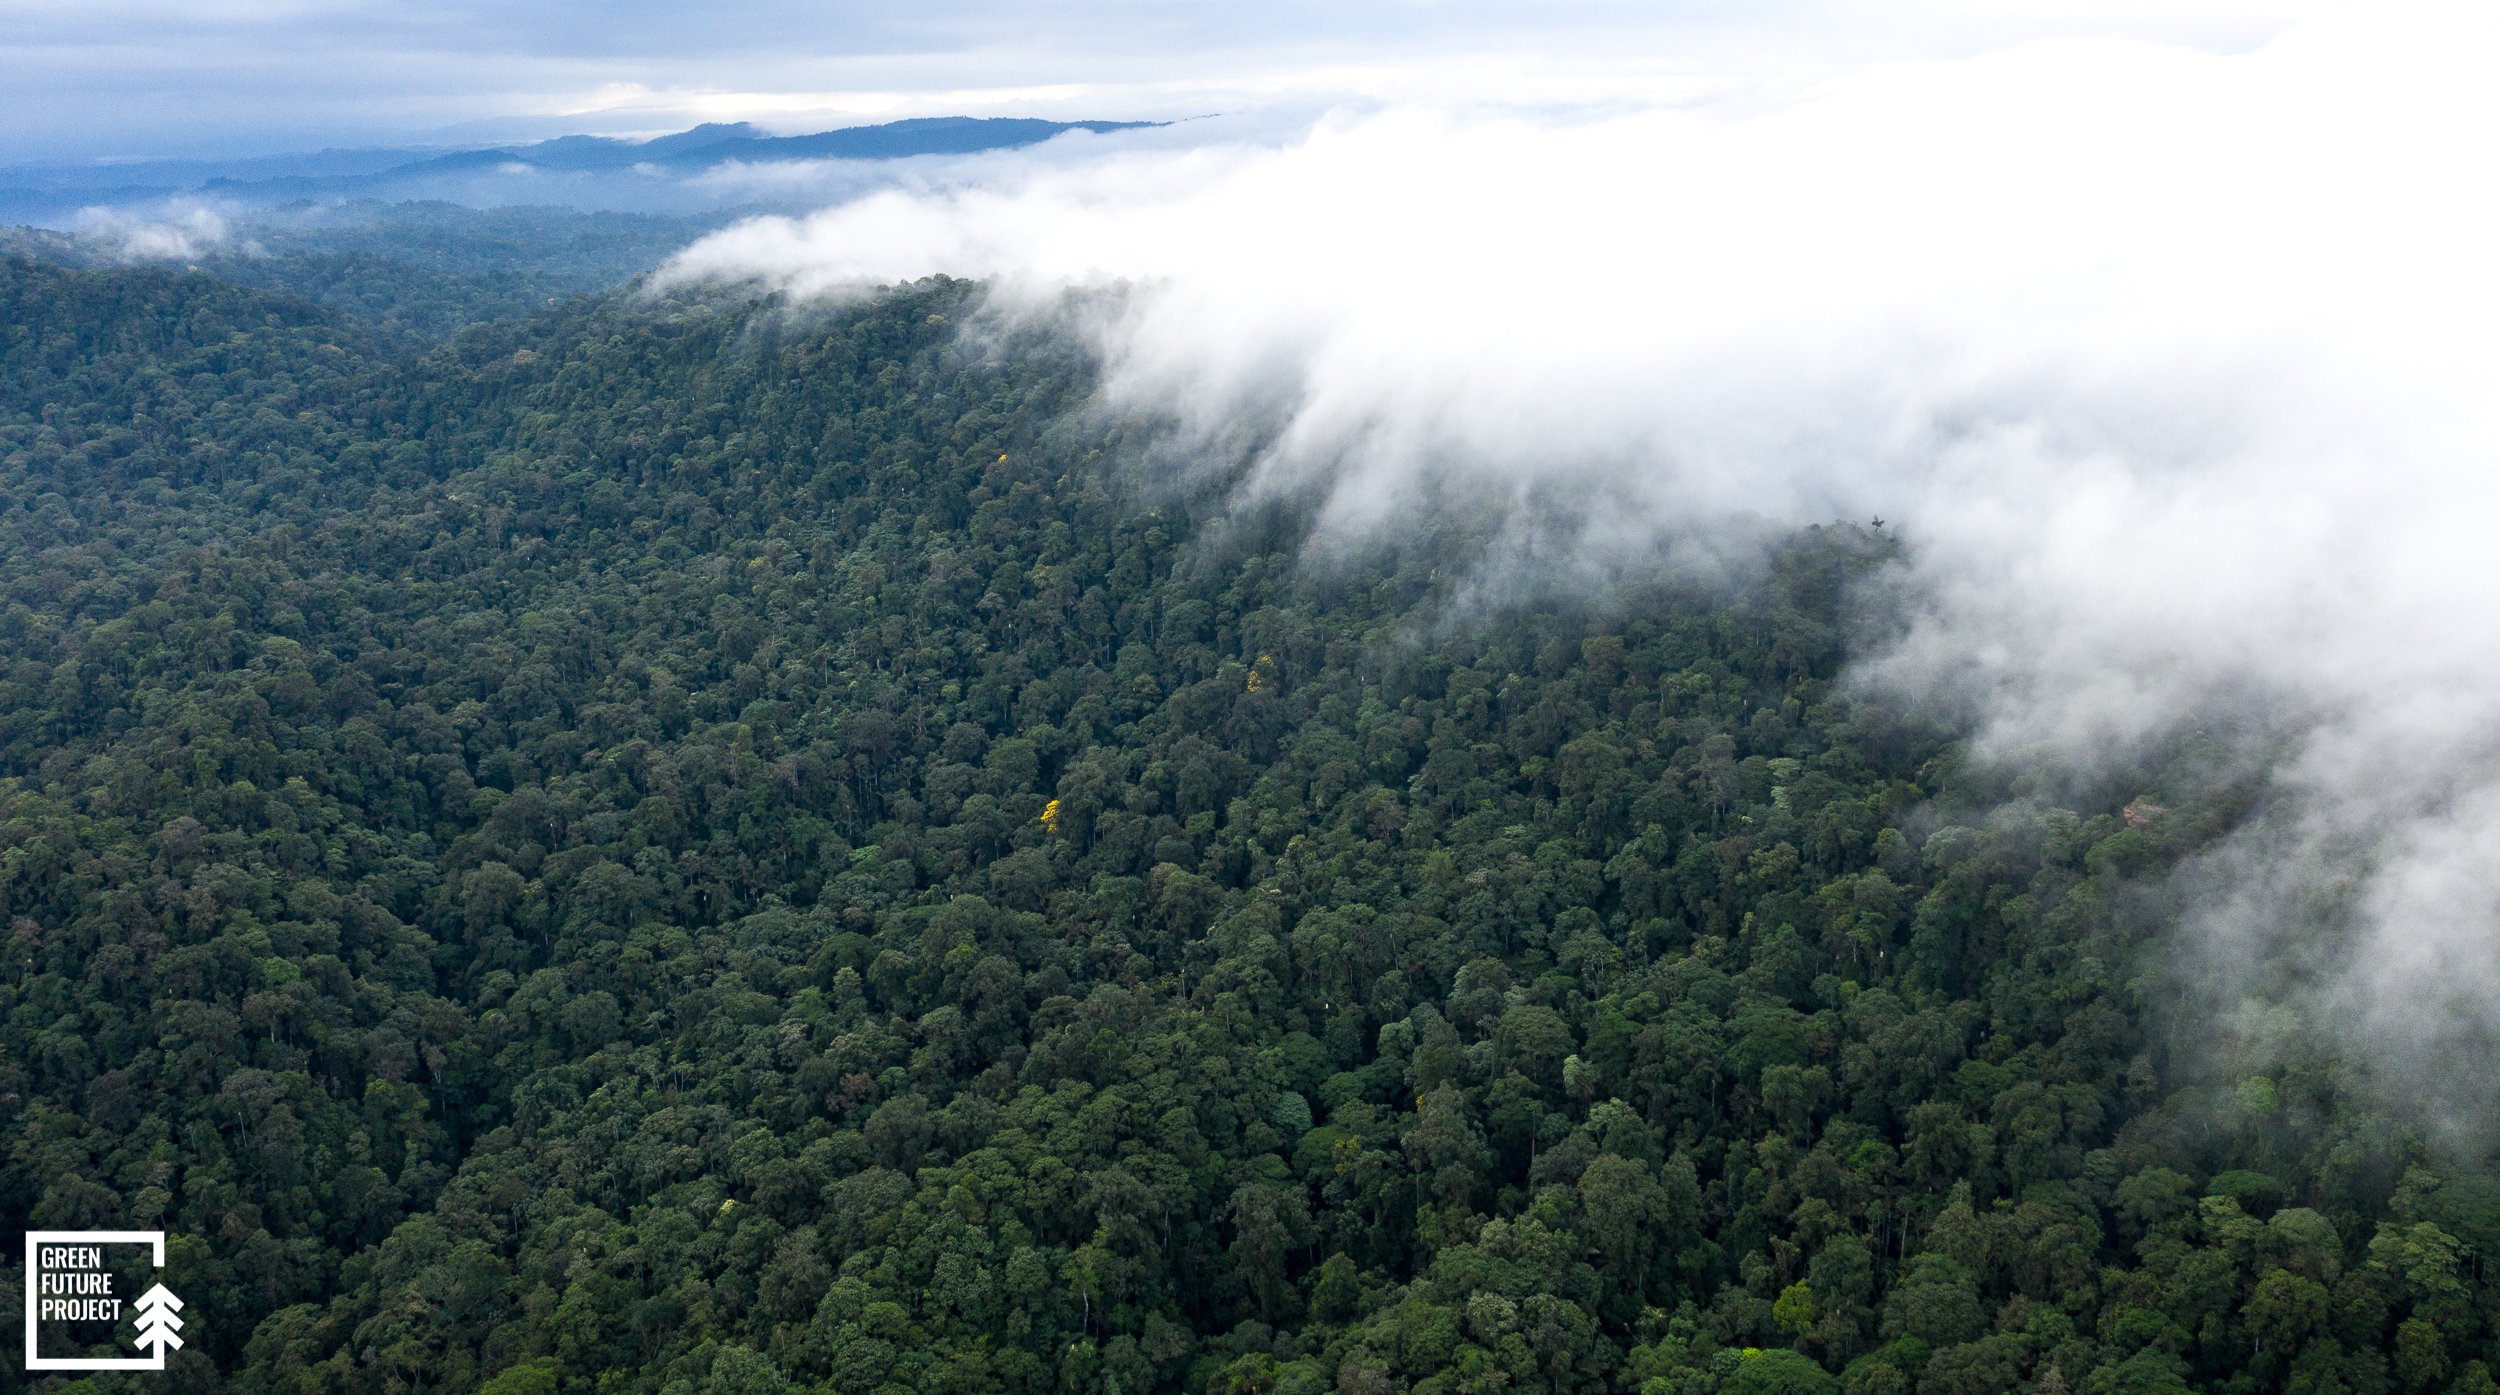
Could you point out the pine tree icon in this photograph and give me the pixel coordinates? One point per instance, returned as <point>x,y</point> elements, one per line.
<point>157,1323</point>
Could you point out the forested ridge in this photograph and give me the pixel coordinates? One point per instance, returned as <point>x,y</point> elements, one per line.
<point>680,845</point>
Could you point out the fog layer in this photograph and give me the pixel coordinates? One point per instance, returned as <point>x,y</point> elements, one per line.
<point>2178,369</point>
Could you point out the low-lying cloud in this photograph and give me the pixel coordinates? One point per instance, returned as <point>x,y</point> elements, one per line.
<point>174,231</point>
<point>2178,367</point>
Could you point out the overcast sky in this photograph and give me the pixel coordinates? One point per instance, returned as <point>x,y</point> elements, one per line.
<point>131,78</point>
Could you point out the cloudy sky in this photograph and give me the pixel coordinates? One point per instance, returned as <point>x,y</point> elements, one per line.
<point>129,78</point>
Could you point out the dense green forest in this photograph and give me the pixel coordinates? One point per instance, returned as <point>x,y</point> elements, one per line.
<point>408,275</point>
<point>685,846</point>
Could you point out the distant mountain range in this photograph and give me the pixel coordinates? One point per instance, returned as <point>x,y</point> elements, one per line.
<point>583,167</point>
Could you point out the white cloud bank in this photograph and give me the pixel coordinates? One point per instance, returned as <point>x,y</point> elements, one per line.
<point>176,230</point>
<point>2182,370</point>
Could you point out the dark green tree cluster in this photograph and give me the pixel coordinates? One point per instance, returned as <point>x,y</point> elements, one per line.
<point>686,847</point>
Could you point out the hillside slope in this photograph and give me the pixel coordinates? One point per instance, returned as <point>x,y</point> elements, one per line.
<point>681,847</point>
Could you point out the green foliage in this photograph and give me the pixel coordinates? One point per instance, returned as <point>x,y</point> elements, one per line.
<point>1778,1372</point>
<point>686,847</point>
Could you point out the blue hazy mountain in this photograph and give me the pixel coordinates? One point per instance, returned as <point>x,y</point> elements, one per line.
<point>716,144</point>
<point>583,171</point>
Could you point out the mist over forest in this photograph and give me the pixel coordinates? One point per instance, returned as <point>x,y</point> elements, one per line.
<point>1797,743</point>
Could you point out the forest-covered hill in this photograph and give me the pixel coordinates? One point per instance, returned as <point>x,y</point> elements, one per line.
<point>685,847</point>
